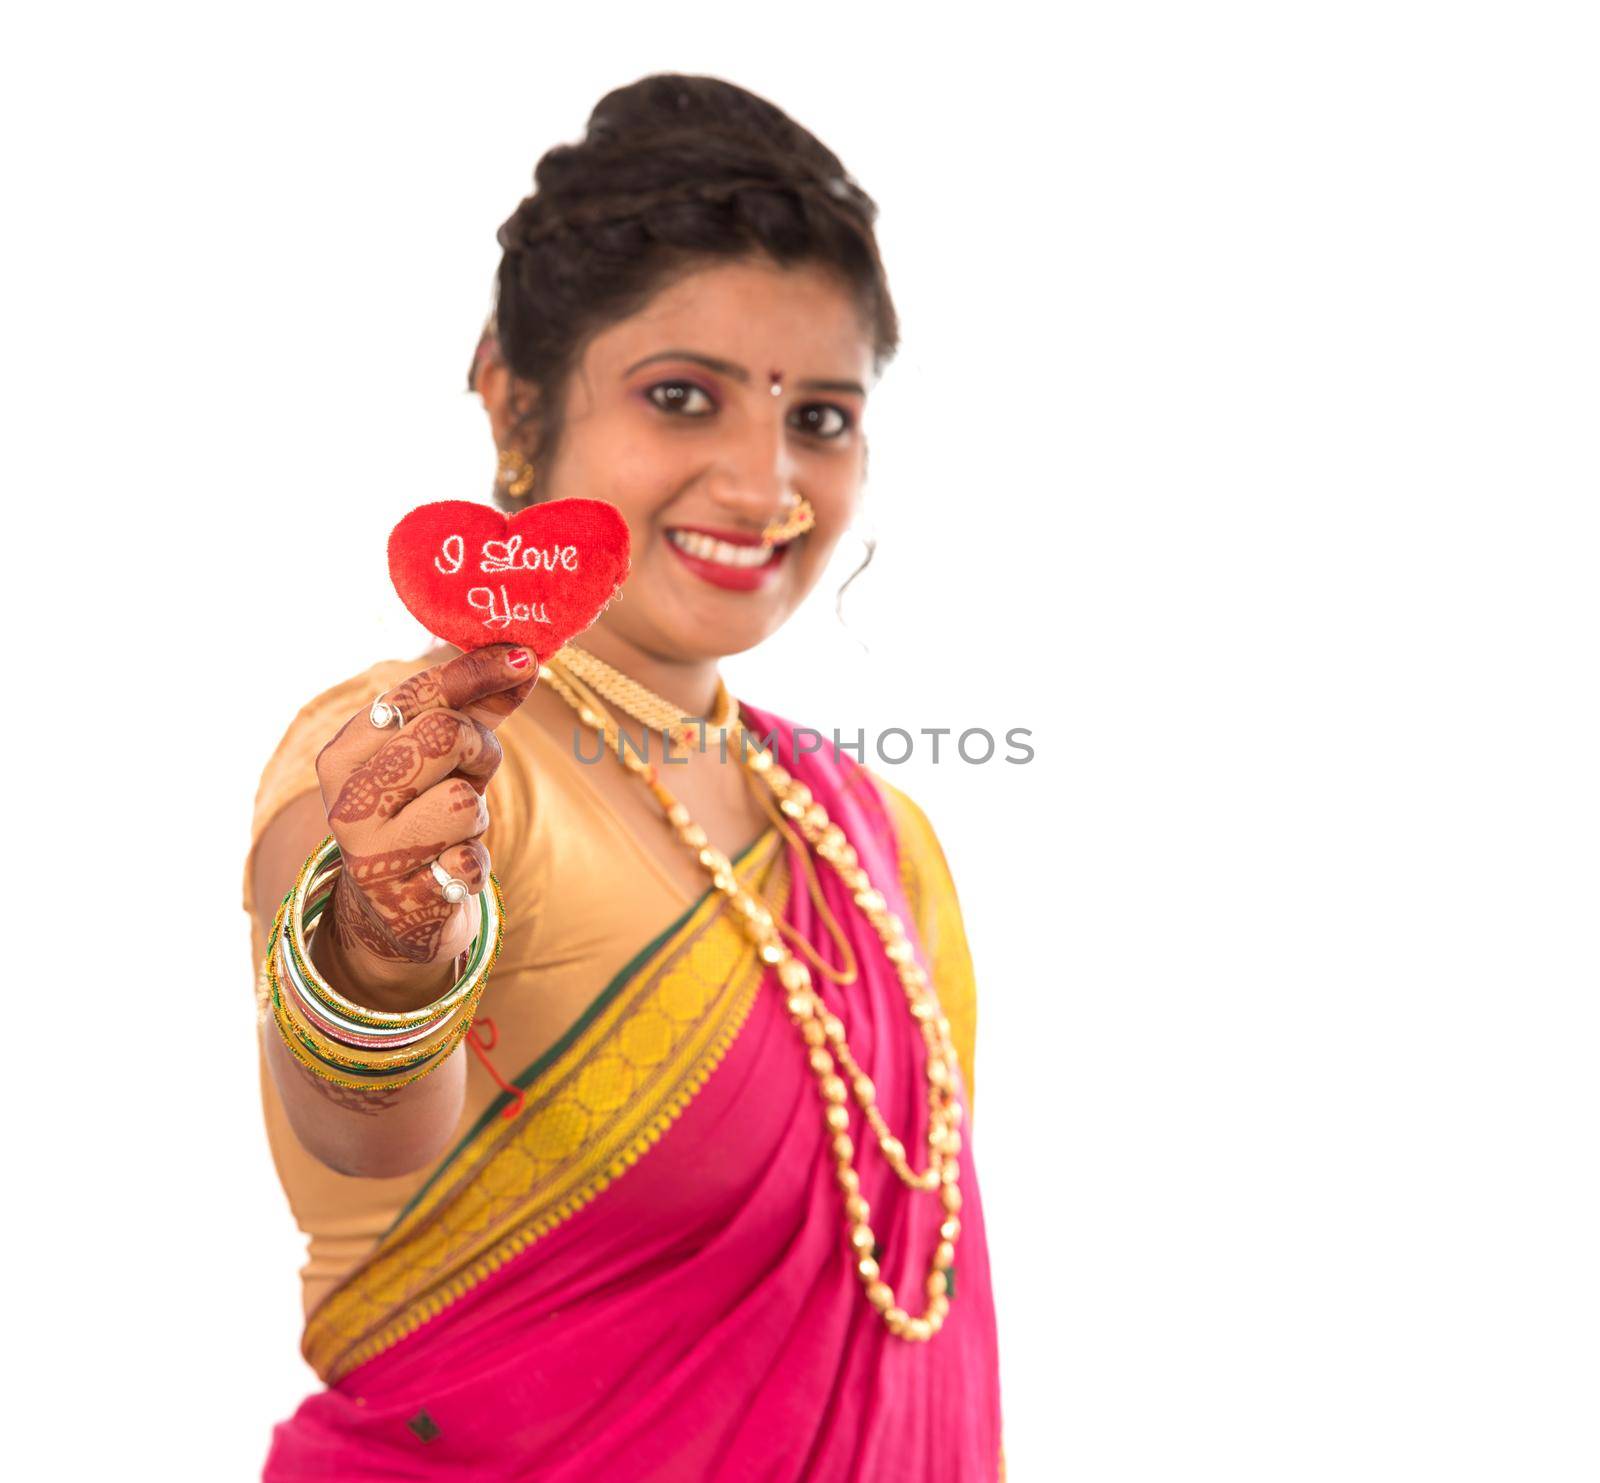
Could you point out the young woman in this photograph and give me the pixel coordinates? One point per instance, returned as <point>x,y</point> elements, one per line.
<point>691,1196</point>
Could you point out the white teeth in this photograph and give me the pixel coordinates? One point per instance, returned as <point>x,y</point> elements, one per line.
<point>723,553</point>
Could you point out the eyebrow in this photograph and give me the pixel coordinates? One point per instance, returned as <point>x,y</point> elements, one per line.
<point>738,373</point>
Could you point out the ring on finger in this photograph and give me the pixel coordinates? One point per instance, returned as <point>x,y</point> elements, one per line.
<point>385,713</point>
<point>455,890</point>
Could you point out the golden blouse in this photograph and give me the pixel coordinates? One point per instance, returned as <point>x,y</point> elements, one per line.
<point>559,849</point>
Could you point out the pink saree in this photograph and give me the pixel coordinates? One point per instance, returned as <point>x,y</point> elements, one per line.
<point>643,1275</point>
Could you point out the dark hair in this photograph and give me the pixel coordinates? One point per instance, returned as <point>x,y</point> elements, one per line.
<point>671,170</point>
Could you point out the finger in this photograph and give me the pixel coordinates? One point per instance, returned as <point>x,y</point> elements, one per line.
<point>448,813</point>
<point>456,744</point>
<point>466,681</point>
<point>426,751</point>
<point>487,682</point>
<point>493,709</point>
<point>467,862</point>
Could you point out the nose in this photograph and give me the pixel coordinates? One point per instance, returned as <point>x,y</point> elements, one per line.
<point>753,477</point>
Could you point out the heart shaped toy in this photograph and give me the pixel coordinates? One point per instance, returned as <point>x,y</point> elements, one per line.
<point>474,576</point>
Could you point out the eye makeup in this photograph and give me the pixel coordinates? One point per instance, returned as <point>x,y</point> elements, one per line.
<point>690,389</point>
<point>676,395</point>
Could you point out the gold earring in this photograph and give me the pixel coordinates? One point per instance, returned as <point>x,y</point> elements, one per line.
<point>796,523</point>
<point>514,473</point>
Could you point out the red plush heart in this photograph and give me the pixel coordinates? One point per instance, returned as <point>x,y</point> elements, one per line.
<point>474,576</point>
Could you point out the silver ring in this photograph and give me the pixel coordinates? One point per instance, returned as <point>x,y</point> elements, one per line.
<point>385,713</point>
<point>455,891</point>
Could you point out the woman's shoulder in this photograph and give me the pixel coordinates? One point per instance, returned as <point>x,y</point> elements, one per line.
<point>916,839</point>
<point>904,810</point>
<point>930,894</point>
<point>889,807</point>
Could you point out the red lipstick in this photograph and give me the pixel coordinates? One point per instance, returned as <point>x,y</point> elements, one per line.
<point>730,578</point>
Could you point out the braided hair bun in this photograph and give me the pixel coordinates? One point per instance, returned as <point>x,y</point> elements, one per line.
<point>672,170</point>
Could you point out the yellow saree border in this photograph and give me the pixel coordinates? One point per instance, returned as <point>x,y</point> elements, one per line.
<point>596,1103</point>
<point>931,894</point>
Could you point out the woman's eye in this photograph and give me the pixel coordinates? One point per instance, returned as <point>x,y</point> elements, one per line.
<point>682,397</point>
<point>822,420</point>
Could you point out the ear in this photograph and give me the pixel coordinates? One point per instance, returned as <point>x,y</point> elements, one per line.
<point>506,399</point>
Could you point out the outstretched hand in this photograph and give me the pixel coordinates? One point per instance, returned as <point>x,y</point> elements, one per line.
<point>400,800</point>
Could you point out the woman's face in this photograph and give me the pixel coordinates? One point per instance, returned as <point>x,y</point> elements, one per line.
<point>672,417</point>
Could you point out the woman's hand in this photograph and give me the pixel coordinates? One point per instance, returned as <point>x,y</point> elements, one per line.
<point>399,800</point>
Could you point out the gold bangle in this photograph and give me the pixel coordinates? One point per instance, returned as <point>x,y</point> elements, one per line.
<point>365,1084</point>
<point>442,1024</point>
<point>291,1033</point>
<point>490,906</point>
<point>322,1028</point>
<point>329,1048</point>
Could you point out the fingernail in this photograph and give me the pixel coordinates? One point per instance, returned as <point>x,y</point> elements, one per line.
<point>517,659</point>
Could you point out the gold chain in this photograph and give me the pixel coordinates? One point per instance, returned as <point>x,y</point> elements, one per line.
<point>820,1029</point>
<point>645,706</point>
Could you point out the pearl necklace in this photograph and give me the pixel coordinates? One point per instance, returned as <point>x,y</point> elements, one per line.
<point>821,1031</point>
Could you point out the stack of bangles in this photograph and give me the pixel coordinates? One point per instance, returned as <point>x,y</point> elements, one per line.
<point>348,1044</point>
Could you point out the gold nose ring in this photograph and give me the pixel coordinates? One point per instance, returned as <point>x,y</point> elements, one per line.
<point>797,522</point>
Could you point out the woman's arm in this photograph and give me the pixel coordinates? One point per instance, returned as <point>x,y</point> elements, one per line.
<point>373,1135</point>
<point>397,803</point>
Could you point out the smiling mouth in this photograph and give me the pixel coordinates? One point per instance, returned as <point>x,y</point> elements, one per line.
<point>741,556</point>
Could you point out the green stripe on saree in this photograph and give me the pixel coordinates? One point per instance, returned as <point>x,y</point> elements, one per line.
<point>596,1102</point>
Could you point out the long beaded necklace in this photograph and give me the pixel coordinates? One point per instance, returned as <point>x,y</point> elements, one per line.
<point>820,1029</point>
<point>658,714</point>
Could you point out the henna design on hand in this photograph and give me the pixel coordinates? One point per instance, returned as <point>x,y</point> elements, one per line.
<point>394,800</point>
<point>465,798</point>
<point>388,906</point>
<point>420,693</point>
<point>397,764</point>
<point>357,800</point>
<point>381,786</point>
<point>387,865</point>
<point>436,733</point>
<point>354,927</point>
<point>417,932</point>
<point>473,867</point>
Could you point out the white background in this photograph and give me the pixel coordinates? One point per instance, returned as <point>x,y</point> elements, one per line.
<point>1242,445</point>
